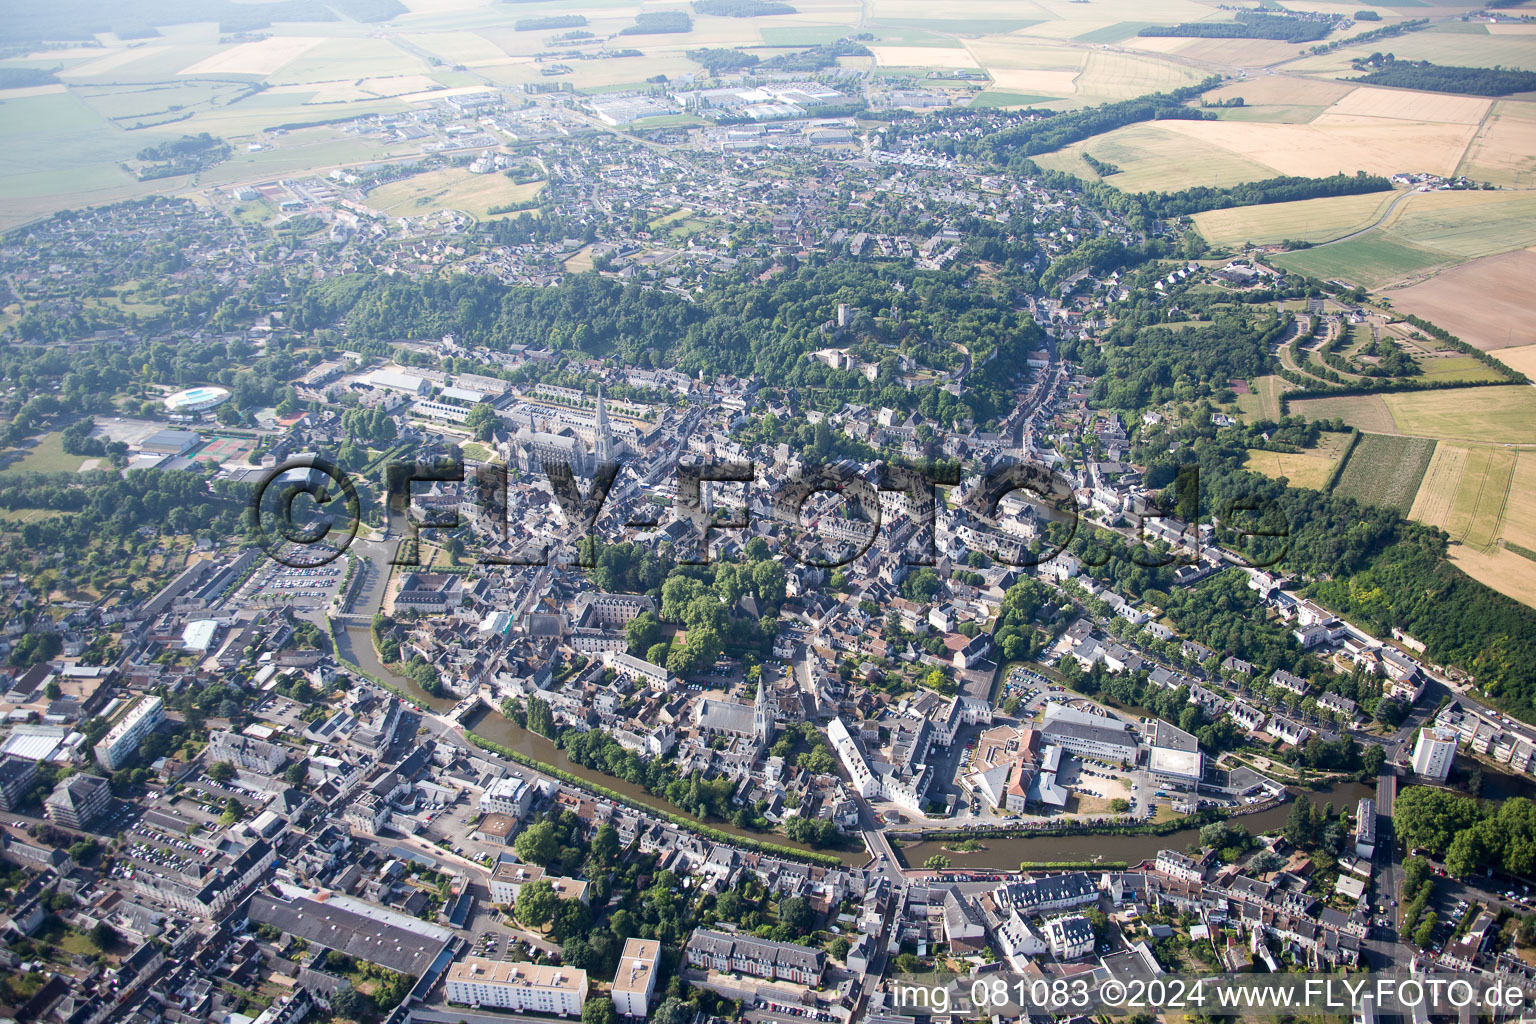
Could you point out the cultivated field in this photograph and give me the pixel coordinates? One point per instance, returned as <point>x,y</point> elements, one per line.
<point>1425,231</point>
<point>1385,470</point>
<point>1404,105</point>
<point>1151,157</point>
<point>1504,151</point>
<point>1310,468</point>
<point>259,58</point>
<point>1120,76</point>
<point>1311,220</point>
<point>1372,260</point>
<point>449,189</point>
<point>1502,415</point>
<point>1522,358</point>
<point>1283,89</point>
<point>1364,412</point>
<point>1486,303</point>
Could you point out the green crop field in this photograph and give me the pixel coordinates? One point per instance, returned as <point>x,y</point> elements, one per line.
<point>1385,470</point>
<point>1371,260</point>
<point>997,98</point>
<point>1113,33</point>
<point>1458,368</point>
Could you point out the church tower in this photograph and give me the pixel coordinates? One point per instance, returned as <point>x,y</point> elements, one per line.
<point>602,437</point>
<point>762,716</point>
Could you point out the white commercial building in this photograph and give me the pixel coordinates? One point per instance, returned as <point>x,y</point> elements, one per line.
<point>864,781</point>
<point>636,977</point>
<point>122,741</point>
<point>520,987</point>
<point>508,795</point>
<point>1435,750</point>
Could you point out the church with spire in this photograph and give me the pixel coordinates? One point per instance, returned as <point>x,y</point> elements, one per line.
<point>602,434</point>
<point>762,716</point>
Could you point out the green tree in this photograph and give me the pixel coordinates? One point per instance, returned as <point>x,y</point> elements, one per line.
<point>539,843</point>
<point>599,1010</point>
<point>642,633</point>
<point>536,904</point>
<point>1425,933</point>
<point>221,772</point>
<point>103,935</point>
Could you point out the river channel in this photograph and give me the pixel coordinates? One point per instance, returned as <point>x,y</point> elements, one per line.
<point>1044,848</point>
<point>997,854</point>
<point>498,728</point>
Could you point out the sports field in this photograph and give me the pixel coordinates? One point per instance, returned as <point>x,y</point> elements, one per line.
<point>47,455</point>
<point>1385,470</point>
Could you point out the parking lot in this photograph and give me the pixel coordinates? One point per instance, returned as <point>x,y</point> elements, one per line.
<point>302,589</point>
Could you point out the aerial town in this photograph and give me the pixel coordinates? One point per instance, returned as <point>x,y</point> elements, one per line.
<point>795,544</point>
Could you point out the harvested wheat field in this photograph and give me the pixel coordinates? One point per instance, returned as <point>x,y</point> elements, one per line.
<point>1437,493</point>
<point>1503,570</point>
<point>1379,145</point>
<point>1486,303</point>
<point>1465,492</point>
<point>1520,510</point>
<point>923,57</point>
<point>1504,151</point>
<point>1309,220</point>
<point>1521,358</point>
<point>1028,81</point>
<point>1283,89</point>
<point>259,58</point>
<point>1405,105</point>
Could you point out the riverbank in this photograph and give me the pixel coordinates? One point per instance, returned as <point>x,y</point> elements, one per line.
<point>678,819</point>
<point>355,648</point>
<point>1005,849</point>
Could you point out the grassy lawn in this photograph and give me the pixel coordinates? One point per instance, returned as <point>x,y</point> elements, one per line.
<point>47,456</point>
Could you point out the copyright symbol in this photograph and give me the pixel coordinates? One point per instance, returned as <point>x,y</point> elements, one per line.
<point>308,542</point>
<point>1112,993</point>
